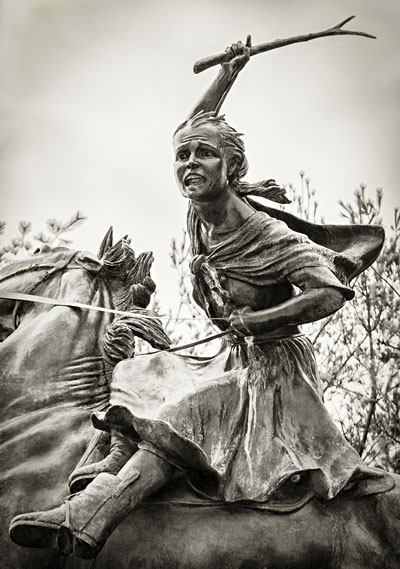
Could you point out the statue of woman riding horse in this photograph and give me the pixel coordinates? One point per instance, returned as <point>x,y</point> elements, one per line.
<point>245,433</point>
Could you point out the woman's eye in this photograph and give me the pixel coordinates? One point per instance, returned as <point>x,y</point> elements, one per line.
<point>181,156</point>
<point>208,153</point>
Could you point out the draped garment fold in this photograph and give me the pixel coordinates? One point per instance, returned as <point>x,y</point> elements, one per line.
<point>248,424</point>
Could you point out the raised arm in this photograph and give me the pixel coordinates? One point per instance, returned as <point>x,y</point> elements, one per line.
<point>215,95</point>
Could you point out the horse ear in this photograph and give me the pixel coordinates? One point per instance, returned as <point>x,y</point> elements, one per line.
<point>106,244</point>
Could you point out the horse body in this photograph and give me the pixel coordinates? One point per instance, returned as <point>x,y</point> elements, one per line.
<point>55,371</point>
<point>54,353</point>
<point>54,374</point>
<point>343,534</point>
<point>177,530</point>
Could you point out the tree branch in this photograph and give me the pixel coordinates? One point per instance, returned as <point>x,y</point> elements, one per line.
<point>337,30</point>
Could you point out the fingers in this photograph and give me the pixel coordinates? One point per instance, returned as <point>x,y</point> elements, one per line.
<point>237,49</point>
<point>229,51</point>
<point>237,56</point>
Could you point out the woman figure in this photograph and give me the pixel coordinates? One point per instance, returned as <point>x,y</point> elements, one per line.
<point>247,425</point>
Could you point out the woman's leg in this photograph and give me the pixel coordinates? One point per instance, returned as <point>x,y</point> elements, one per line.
<point>83,524</point>
<point>121,450</point>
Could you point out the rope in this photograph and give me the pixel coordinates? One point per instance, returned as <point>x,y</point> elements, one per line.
<point>190,345</point>
<point>59,302</point>
<point>20,296</point>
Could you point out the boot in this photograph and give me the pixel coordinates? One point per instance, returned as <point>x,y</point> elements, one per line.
<point>83,524</point>
<point>121,450</point>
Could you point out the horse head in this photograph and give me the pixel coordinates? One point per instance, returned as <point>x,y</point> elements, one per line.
<point>63,334</point>
<point>56,350</point>
<point>23,276</point>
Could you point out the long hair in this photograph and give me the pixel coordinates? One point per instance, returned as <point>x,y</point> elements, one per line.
<point>231,143</point>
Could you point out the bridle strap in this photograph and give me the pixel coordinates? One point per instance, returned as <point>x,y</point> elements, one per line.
<point>57,266</point>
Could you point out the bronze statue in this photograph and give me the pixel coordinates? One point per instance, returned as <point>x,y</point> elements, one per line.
<point>56,366</point>
<point>246,427</point>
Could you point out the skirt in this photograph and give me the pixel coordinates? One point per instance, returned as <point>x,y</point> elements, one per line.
<point>247,424</point>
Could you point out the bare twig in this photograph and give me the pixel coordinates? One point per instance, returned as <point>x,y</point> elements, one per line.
<point>388,345</point>
<point>368,399</point>
<point>337,30</point>
<point>321,330</point>
<point>373,378</point>
<point>350,355</point>
<point>386,281</point>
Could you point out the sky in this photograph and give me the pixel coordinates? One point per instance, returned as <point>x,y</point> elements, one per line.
<point>92,90</point>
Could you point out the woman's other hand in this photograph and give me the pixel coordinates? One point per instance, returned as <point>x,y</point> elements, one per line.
<point>239,321</point>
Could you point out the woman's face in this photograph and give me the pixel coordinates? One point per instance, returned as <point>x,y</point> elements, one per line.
<point>201,167</point>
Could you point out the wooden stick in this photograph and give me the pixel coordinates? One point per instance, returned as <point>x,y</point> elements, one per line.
<point>207,62</point>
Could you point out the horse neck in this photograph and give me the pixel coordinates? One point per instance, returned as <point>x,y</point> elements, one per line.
<point>55,355</point>
<point>82,329</point>
<point>18,277</point>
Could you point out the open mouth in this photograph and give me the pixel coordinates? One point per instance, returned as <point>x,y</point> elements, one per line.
<point>193,179</point>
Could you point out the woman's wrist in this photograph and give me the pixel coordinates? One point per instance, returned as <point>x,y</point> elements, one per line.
<point>238,322</point>
<point>250,323</point>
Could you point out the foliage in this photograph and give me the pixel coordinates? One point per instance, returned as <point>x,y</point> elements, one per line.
<point>26,242</point>
<point>359,348</point>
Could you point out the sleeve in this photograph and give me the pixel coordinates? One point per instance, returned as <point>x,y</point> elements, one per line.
<point>319,277</point>
<point>308,265</point>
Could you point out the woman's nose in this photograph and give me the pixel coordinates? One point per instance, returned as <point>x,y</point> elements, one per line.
<point>192,162</point>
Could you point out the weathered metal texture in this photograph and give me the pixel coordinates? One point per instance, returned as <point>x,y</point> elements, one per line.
<point>344,533</point>
<point>55,370</point>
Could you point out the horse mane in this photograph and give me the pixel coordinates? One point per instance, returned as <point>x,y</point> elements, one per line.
<point>133,294</point>
<point>131,287</point>
<point>132,273</point>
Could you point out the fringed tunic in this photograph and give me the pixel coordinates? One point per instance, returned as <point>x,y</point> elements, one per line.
<point>248,424</point>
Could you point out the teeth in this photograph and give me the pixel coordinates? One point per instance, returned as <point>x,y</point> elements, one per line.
<point>190,179</point>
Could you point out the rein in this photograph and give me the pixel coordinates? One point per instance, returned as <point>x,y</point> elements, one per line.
<point>27,297</point>
<point>62,264</point>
